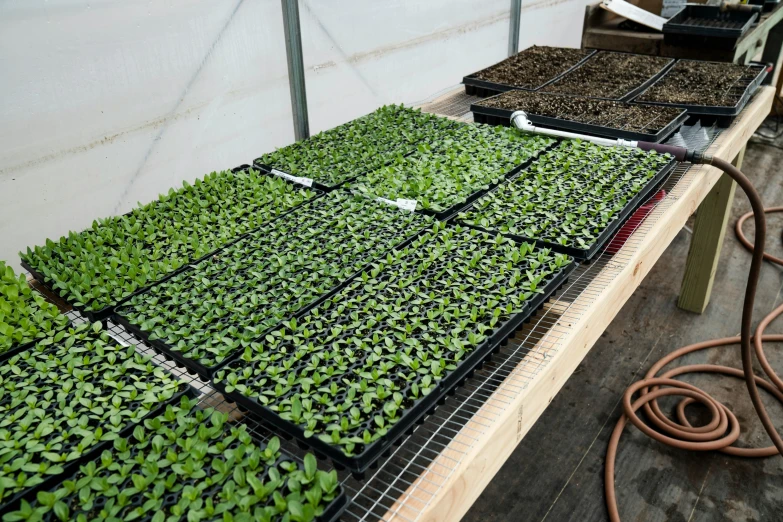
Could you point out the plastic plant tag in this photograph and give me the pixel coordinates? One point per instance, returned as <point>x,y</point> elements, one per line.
<point>407,204</point>
<point>632,12</point>
<point>307,182</point>
<point>404,204</point>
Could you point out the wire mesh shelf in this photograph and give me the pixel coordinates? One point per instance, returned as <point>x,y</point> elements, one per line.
<point>406,482</point>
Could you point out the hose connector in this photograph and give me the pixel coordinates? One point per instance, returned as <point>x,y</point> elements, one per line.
<point>520,120</point>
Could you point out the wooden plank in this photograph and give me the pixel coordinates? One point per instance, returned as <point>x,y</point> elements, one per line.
<point>612,39</point>
<point>456,477</point>
<point>709,230</point>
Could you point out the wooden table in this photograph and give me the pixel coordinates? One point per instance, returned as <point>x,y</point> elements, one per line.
<point>452,481</point>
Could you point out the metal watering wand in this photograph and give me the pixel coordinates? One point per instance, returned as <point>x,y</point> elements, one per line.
<point>682,435</point>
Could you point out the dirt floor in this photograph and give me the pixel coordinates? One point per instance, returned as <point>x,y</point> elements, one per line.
<point>556,472</point>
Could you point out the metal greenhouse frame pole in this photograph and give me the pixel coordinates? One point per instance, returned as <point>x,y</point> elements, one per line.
<point>513,29</point>
<point>296,75</point>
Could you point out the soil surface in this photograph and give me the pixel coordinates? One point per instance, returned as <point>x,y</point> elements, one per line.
<point>533,67</point>
<point>609,75</point>
<point>701,83</point>
<point>615,115</point>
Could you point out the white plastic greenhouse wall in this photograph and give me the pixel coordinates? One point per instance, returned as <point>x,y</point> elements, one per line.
<point>106,103</point>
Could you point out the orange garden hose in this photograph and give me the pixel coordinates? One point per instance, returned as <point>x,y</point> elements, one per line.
<point>744,240</point>
<point>723,429</point>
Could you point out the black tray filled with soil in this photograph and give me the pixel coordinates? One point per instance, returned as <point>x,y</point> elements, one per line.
<point>425,406</point>
<point>609,75</point>
<point>706,88</point>
<point>528,70</point>
<point>583,115</point>
<point>413,413</point>
<point>707,26</point>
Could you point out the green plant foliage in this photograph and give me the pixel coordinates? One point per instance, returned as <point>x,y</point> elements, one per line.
<point>467,160</point>
<point>189,464</point>
<point>117,256</point>
<point>361,145</point>
<point>354,365</point>
<point>25,315</point>
<point>569,195</point>
<point>226,301</point>
<point>67,394</point>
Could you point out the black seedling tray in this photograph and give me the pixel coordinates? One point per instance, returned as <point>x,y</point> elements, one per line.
<point>194,367</point>
<point>331,513</point>
<point>725,114</point>
<point>106,312</point>
<point>422,407</point>
<point>69,468</point>
<point>483,88</point>
<point>604,237</point>
<point>446,215</point>
<point>707,25</point>
<point>26,346</point>
<point>495,116</point>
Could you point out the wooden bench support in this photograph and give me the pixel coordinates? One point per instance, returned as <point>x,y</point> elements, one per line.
<point>706,243</point>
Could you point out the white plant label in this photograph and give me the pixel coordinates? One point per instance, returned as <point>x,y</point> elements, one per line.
<point>407,204</point>
<point>404,204</point>
<point>307,182</point>
<point>632,12</point>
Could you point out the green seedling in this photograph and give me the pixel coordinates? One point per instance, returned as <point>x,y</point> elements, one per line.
<point>25,315</point>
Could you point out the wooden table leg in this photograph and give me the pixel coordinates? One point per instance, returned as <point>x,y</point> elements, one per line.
<point>708,231</point>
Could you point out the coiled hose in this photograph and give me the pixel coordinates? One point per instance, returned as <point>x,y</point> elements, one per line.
<point>723,429</point>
